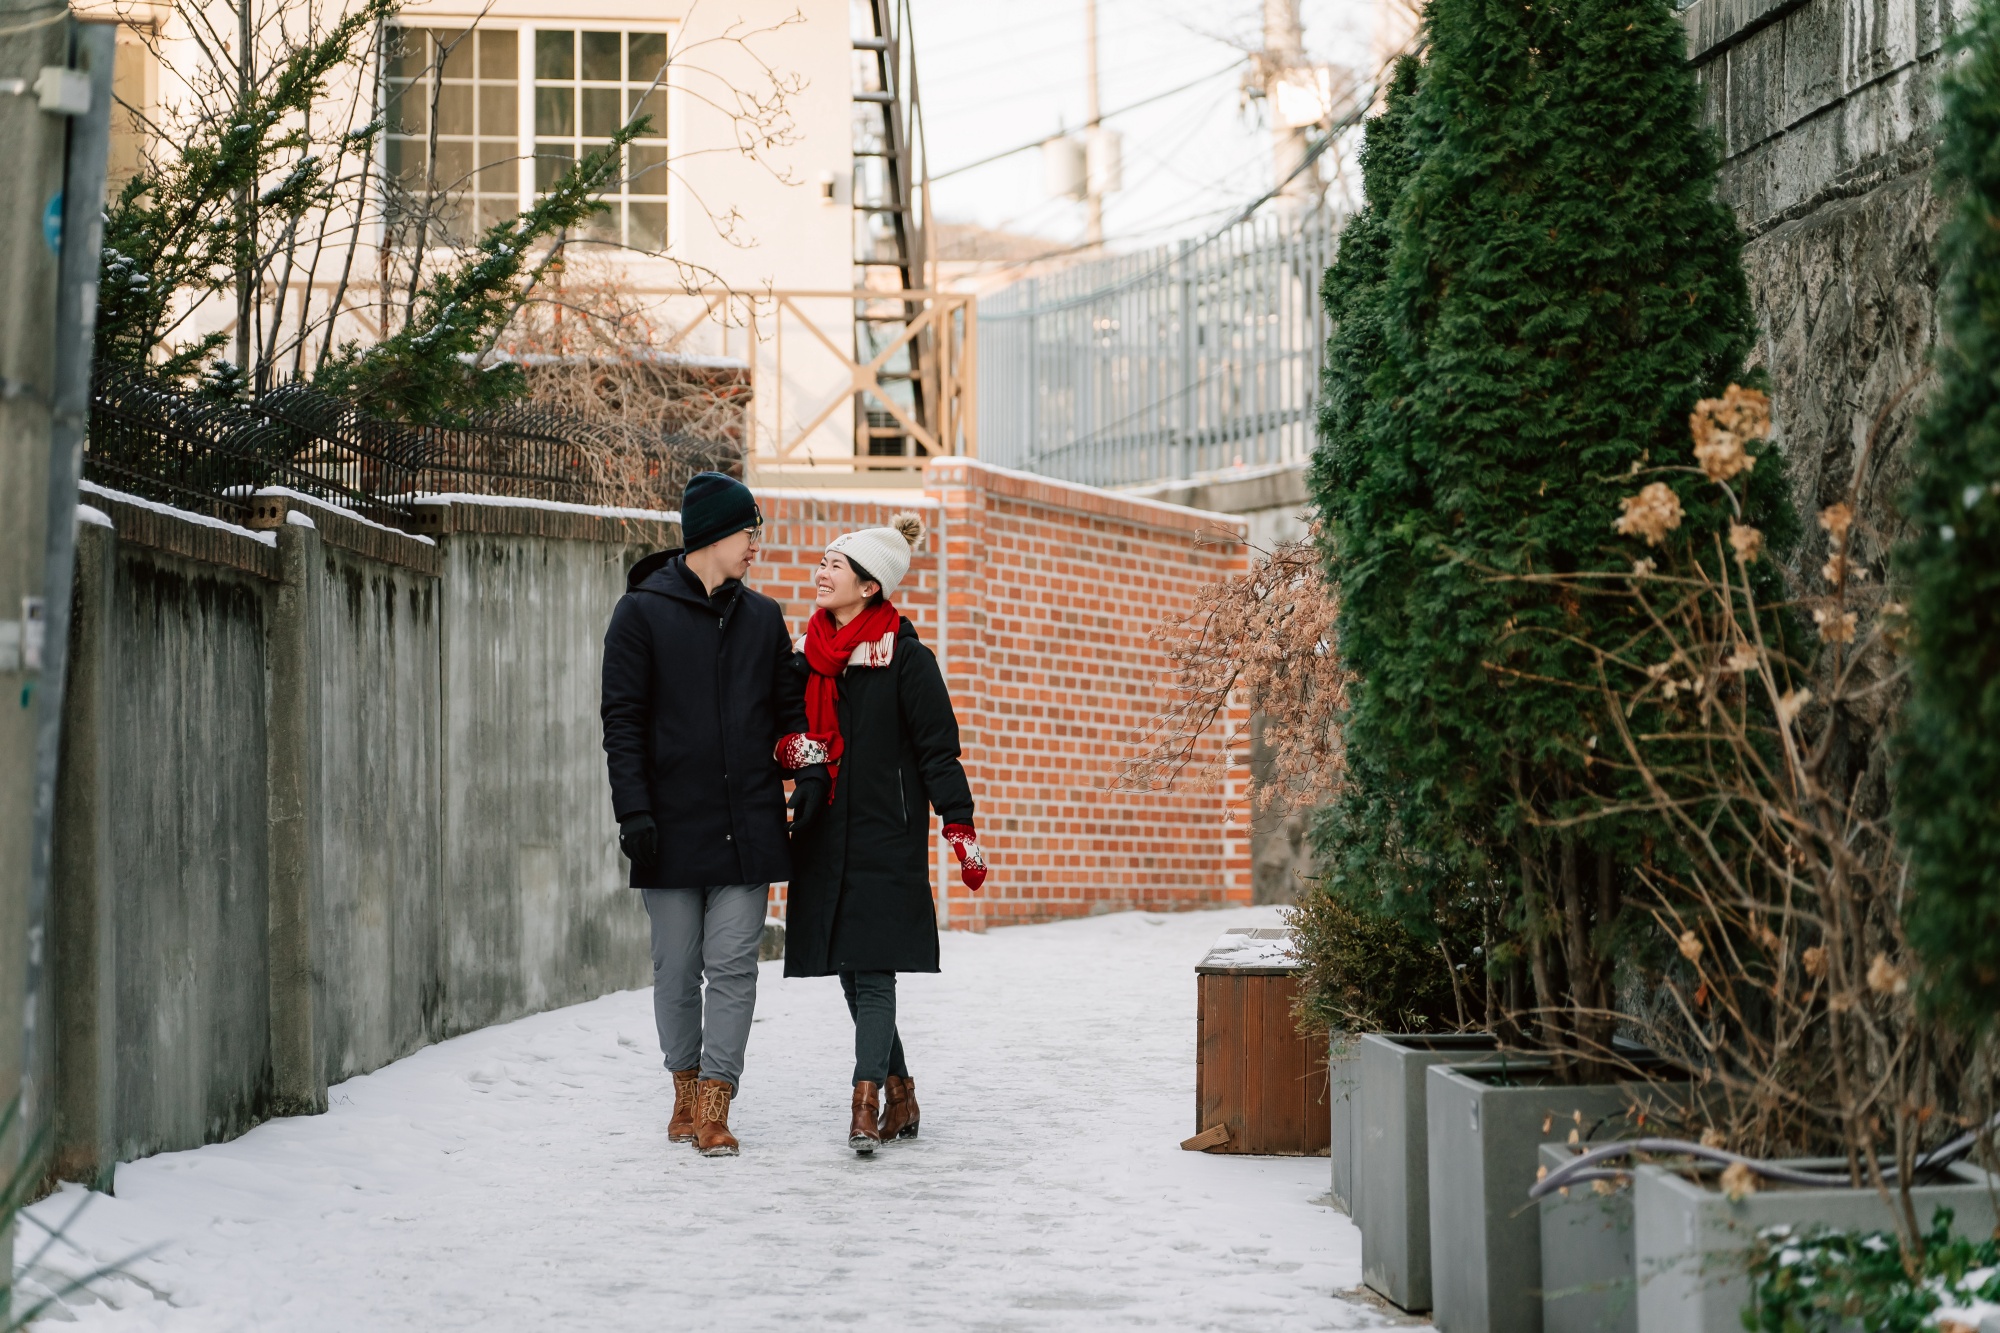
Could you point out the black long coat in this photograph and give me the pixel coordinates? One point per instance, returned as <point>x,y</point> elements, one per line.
<point>860,897</point>
<point>697,691</point>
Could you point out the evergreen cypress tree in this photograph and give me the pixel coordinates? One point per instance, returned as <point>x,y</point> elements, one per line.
<point>1948,780</point>
<point>1381,851</point>
<point>1563,284</point>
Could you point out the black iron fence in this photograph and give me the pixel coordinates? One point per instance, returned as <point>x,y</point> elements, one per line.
<point>209,456</point>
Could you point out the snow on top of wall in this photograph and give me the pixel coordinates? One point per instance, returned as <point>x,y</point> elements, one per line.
<point>1126,497</point>
<point>834,495</point>
<point>334,508</point>
<point>300,518</point>
<point>92,488</point>
<point>514,501</point>
<point>91,514</point>
<point>655,358</point>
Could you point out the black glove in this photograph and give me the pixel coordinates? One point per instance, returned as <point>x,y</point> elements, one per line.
<point>639,839</point>
<point>810,786</point>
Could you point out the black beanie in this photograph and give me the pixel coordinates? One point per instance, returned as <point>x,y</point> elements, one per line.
<point>713,506</point>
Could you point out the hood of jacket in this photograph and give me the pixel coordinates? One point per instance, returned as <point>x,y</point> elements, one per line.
<point>648,567</point>
<point>662,573</point>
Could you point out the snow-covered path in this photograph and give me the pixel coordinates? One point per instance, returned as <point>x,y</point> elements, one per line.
<point>520,1177</point>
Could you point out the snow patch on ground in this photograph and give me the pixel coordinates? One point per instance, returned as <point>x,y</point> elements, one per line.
<point>520,1177</point>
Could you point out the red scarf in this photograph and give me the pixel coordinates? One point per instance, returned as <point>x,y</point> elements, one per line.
<point>829,651</point>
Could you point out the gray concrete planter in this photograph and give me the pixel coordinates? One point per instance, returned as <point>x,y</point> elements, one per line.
<point>1343,1082</point>
<point>1486,1124</point>
<point>1587,1283</point>
<point>1391,1202</point>
<point>1689,1239</point>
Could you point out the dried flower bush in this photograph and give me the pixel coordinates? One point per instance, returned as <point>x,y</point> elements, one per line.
<point>1779,973</point>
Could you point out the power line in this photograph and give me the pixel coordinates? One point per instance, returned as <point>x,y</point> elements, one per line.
<point>1131,106</point>
<point>1310,156</point>
<point>987,36</point>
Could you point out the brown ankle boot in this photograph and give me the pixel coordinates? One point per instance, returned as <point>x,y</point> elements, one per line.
<point>862,1134</point>
<point>899,1109</point>
<point>681,1128</point>
<point>711,1119</point>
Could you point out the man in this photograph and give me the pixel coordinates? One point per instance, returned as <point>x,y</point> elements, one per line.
<point>698,689</point>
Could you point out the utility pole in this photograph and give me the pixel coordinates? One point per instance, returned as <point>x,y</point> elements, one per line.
<point>32,143</point>
<point>1284,57</point>
<point>55,118</point>
<point>1094,194</point>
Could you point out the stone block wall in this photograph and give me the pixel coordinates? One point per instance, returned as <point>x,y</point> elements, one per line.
<point>1827,115</point>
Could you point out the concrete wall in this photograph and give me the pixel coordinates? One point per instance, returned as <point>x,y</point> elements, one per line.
<point>538,913</point>
<point>329,793</point>
<point>377,925</point>
<point>183,799</point>
<point>1273,501</point>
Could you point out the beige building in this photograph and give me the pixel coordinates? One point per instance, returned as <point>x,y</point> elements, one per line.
<point>733,225</point>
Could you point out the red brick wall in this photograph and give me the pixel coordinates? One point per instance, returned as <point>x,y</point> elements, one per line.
<point>1041,599</point>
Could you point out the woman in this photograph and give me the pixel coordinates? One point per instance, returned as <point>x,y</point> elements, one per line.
<point>878,717</point>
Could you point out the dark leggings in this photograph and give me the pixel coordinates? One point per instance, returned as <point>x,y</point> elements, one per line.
<point>878,1048</point>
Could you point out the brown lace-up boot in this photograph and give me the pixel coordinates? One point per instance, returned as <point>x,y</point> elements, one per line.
<point>899,1109</point>
<point>862,1134</point>
<point>711,1119</point>
<point>681,1128</point>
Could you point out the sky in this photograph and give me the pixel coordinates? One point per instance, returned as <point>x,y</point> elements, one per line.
<point>997,73</point>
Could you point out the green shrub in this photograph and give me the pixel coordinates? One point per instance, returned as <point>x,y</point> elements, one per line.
<point>1823,1281</point>
<point>1366,972</point>
<point>1948,775</point>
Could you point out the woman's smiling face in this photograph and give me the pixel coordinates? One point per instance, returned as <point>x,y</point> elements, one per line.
<point>838,589</point>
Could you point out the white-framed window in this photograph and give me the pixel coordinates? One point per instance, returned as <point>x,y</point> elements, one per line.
<point>494,153</point>
<point>587,84</point>
<point>473,79</point>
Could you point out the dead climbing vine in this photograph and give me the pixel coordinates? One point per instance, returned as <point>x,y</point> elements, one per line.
<point>1266,639</point>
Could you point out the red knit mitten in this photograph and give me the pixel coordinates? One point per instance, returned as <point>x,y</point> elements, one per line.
<point>971,861</point>
<point>800,750</point>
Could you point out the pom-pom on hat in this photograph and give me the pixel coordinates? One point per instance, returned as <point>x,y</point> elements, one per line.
<point>881,554</point>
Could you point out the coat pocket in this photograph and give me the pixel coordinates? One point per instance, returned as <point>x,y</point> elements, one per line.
<point>902,800</point>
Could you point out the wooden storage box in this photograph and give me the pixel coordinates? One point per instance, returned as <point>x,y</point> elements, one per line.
<point>1255,1077</point>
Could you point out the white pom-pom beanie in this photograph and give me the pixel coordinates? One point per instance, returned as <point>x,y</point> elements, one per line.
<point>884,553</point>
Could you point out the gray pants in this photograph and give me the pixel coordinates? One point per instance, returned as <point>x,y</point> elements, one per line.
<point>712,932</point>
